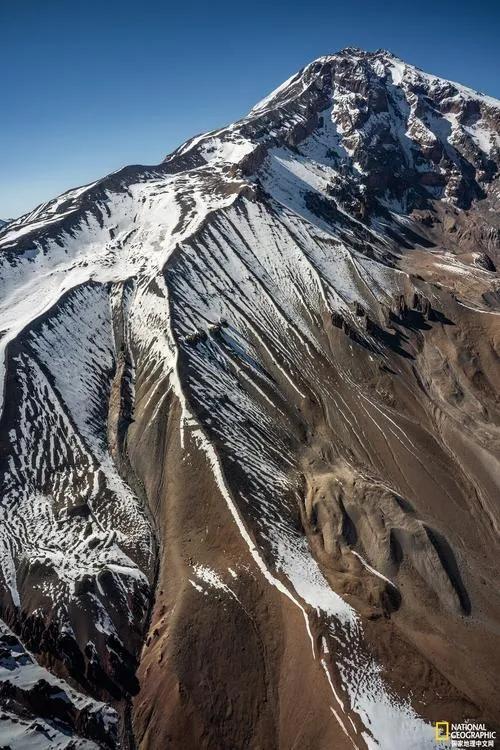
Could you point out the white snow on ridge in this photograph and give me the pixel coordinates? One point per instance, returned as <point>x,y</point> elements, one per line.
<point>372,570</point>
<point>60,437</point>
<point>262,105</point>
<point>224,150</point>
<point>19,734</point>
<point>19,669</point>
<point>402,72</point>
<point>45,214</point>
<point>146,224</point>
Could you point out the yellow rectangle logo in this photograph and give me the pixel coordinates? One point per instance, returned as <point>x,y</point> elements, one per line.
<point>442,731</point>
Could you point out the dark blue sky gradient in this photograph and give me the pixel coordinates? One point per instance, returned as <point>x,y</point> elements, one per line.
<point>88,87</point>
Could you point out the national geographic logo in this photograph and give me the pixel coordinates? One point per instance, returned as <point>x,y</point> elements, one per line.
<point>465,735</point>
<point>442,731</point>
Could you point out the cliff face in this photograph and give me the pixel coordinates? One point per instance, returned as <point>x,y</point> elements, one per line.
<point>249,443</point>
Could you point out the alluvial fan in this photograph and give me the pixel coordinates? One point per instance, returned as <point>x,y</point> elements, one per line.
<point>250,431</point>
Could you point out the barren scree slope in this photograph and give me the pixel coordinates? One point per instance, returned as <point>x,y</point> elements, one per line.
<point>250,431</point>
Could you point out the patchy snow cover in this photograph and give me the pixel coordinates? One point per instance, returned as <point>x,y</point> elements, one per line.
<point>19,668</point>
<point>222,150</point>
<point>18,734</point>
<point>209,577</point>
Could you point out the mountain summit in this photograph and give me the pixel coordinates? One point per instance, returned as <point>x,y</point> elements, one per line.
<point>250,430</point>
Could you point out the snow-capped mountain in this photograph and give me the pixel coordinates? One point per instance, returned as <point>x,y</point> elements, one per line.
<point>249,438</point>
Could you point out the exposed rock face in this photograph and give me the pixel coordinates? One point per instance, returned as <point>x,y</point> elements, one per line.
<point>62,714</point>
<point>250,430</point>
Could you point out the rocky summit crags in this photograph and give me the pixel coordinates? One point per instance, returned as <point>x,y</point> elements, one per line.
<point>250,431</point>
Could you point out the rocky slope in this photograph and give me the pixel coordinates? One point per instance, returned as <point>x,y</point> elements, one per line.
<point>250,430</point>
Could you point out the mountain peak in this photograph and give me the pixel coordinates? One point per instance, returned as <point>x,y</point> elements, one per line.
<point>379,123</point>
<point>359,52</point>
<point>379,66</point>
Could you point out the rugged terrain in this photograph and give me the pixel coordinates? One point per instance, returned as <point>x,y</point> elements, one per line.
<point>250,431</point>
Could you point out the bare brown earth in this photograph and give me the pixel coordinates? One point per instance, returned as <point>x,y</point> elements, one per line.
<point>416,494</point>
<point>222,673</point>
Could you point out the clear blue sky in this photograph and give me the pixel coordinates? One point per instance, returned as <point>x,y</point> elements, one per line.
<point>88,87</point>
